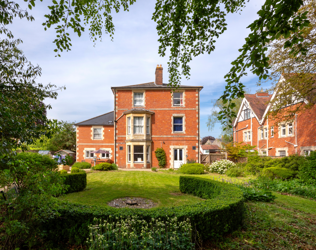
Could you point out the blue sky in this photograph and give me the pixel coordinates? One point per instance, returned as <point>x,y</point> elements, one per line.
<point>89,71</point>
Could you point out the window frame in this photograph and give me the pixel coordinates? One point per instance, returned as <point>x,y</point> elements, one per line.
<point>181,98</point>
<point>137,98</point>
<point>261,134</point>
<point>147,125</point>
<point>89,157</point>
<point>129,154</point>
<point>288,129</point>
<point>279,152</point>
<point>148,154</point>
<point>266,133</point>
<point>129,125</point>
<point>138,154</point>
<point>177,124</point>
<point>105,155</point>
<point>246,113</point>
<point>135,118</point>
<point>249,135</point>
<point>272,131</point>
<point>245,136</point>
<point>93,133</point>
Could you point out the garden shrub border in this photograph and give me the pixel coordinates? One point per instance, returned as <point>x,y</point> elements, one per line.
<point>222,212</point>
<point>76,181</point>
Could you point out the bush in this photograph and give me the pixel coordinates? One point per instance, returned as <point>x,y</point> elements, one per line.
<point>221,166</point>
<point>192,168</point>
<point>235,172</point>
<point>279,173</point>
<point>307,172</point>
<point>154,169</point>
<point>161,157</point>
<point>74,170</point>
<point>63,171</point>
<point>191,161</point>
<point>156,234</point>
<point>37,161</point>
<point>76,181</point>
<point>253,194</point>
<point>222,212</point>
<point>103,167</point>
<point>114,166</point>
<point>82,165</point>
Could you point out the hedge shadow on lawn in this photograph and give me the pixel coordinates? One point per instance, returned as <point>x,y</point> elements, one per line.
<point>222,212</point>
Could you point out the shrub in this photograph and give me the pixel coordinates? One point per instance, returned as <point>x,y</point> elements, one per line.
<point>221,213</point>
<point>103,166</point>
<point>277,172</point>
<point>154,169</point>
<point>307,172</point>
<point>192,168</point>
<point>253,194</point>
<point>235,172</point>
<point>221,166</point>
<point>63,171</point>
<point>37,161</point>
<point>82,165</point>
<point>156,234</point>
<point>161,157</point>
<point>74,170</point>
<point>191,161</point>
<point>114,166</point>
<point>76,181</point>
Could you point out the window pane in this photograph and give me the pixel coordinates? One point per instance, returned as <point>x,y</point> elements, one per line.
<point>290,128</point>
<point>91,154</point>
<point>180,154</point>
<point>138,153</point>
<point>176,102</point>
<point>176,154</point>
<point>177,120</point>
<point>148,120</point>
<point>245,136</point>
<point>87,153</point>
<point>148,159</point>
<point>282,153</point>
<point>249,135</point>
<point>128,125</point>
<point>177,124</point>
<point>97,133</point>
<point>138,98</point>
<point>138,125</point>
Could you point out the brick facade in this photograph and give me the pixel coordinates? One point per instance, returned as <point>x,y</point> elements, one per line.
<point>157,108</point>
<point>295,136</point>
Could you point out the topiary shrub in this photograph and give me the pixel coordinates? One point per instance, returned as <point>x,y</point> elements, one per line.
<point>161,157</point>
<point>63,171</point>
<point>75,181</point>
<point>74,170</point>
<point>221,166</point>
<point>235,172</point>
<point>222,212</point>
<point>192,168</point>
<point>279,173</point>
<point>82,165</point>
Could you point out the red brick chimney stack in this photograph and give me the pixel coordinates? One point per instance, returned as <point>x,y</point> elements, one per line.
<point>159,73</point>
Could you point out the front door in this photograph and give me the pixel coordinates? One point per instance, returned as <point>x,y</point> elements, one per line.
<point>178,157</point>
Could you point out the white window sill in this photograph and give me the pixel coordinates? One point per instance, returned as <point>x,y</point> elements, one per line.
<point>178,132</point>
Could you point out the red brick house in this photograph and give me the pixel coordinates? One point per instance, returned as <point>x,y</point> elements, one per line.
<point>274,138</point>
<point>146,117</point>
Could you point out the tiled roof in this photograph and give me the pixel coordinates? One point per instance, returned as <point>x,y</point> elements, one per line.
<point>209,147</point>
<point>258,102</point>
<point>105,119</point>
<point>153,85</point>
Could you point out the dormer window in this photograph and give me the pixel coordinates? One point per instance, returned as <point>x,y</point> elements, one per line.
<point>138,99</point>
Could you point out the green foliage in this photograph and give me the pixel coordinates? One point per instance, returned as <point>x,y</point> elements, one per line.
<point>161,157</point>
<point>191,161</point>
<point>82,165</point>
<point>237,150</point>
<point>75,182</point>
<point>29,201</point>
<point>307,171</point>
<point>221,214</point>
<point>105,166</point>
<point>221,166</point>
<point>114,166</point>
<point>192,168</point>
<point>253,194</point>
<point>63,171</point>
<point>134,232</point>
<point>154,169</point>
<point>295,186</point>
<point>64,137</point>
<point>235,172</point>
<point>74,170</point>
<point>277,172</point>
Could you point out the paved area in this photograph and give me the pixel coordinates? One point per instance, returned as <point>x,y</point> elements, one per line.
<point>135,169</point>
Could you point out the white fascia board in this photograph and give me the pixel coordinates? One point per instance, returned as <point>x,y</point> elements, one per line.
<point>241,108</point>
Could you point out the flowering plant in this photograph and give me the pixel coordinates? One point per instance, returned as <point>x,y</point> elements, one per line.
<point>221,166</point>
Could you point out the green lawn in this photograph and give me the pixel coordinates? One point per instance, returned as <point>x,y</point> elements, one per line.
<point>103,187</point>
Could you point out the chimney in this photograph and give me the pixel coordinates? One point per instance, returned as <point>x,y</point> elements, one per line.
<point>158,74</point>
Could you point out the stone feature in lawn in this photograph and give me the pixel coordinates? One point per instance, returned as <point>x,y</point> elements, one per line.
<point>132,202</point>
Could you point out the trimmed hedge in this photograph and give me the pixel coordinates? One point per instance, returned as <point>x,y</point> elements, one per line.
<point>192,168</point>
<point>82,165</point>
<point>222,212</point>
<point>76,181</point>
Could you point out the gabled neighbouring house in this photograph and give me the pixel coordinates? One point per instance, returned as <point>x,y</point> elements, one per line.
<point>146,117</point>
<point>253,125</point>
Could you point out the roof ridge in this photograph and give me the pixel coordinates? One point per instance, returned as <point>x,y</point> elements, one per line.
<point>95,117</point>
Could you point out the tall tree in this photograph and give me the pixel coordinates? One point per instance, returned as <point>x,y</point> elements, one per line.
<point>296,71</point>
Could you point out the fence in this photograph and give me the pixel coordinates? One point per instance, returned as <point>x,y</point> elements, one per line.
<point>209,158</point>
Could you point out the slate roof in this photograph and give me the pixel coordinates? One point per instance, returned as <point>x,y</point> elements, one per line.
<point>106,119</point>
<point>152,85</point>
<point>258,102</point>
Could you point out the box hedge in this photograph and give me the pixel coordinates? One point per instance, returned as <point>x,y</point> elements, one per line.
<point>82,165</point>
<point>192,168</point>
<point>76,181</point>
<point>221,212</point>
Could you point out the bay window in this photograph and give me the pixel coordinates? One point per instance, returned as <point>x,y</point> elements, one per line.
<point>128,125</point>
<point>138,125</point>
<point>147,126</point>
<point>138,153</point>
